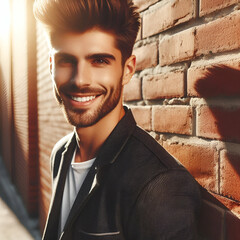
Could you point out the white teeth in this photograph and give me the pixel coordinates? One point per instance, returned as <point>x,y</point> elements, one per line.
<point>83,99</point>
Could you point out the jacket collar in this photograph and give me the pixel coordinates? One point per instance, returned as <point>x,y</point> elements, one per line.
<point>114,143</point>
<point>116,140</point>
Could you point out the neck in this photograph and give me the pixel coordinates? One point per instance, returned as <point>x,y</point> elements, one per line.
<point>91,138</point>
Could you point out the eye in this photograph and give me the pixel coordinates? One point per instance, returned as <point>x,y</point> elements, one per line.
<point>100,61</point>
<point>65,61</point>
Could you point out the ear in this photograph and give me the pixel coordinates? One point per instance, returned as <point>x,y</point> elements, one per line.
<point>129,69</point>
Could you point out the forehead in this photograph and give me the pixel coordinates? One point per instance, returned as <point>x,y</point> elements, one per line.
<point>91,41</point>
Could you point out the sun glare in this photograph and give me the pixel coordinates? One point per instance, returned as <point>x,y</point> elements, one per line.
<point>4,17</point>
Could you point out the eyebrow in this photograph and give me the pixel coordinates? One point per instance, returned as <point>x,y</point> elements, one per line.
<point>100,55</point>
<point>88,57</point>
<point>62,54</point>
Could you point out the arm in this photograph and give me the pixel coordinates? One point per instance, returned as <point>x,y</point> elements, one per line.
<point>166,208</point>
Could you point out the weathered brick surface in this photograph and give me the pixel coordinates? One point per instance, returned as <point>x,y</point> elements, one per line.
<point>222,35</point>
<point>214,80</point>
<point>147,56</point>
<point>200,160</point>
<point>143,116</point>
<point>164,85</point>
<point>143,4</point>
<point>219,123</point>
<point>24,145</point>
<point>168,15</point>
<point>6,103</point>
<point>177,48</point>
<point>172,119</point>
<point>133,90</point>
<point>230,204</point>
<point>193,75</point>
<point>207,6</point>
<point>230,173</point>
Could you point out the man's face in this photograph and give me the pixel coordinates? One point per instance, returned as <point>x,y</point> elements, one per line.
<point>87,73</point>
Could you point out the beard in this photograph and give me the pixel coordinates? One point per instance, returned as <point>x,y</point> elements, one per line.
<point>81,118</point>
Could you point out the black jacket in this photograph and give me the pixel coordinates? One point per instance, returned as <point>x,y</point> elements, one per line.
<point>135,190</point>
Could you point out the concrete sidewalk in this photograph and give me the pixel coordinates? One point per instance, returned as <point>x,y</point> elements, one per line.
<point>14,220</point>
<point>10,226</point>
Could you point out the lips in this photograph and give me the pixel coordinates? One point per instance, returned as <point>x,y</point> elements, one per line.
<point>80,97</point>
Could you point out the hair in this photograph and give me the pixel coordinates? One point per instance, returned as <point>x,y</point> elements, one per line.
<point>119,17</point>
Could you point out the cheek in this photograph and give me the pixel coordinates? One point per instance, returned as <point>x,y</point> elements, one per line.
<point>62,75</point>
<point>109,78</point>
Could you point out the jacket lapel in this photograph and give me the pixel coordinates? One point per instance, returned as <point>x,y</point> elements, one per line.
<point>89,185</point>
<point>107,155</point>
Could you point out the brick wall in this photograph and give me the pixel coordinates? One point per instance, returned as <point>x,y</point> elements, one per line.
<point>19,138</point>
<point>24,122</point>
<point>5,95</point>
<point>186,93</point>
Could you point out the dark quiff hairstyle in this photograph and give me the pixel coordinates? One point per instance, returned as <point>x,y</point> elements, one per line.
<point>119,17</point>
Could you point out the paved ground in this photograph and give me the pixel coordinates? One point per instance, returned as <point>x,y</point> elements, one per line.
<point>10,226</point>
<point>14,220</point>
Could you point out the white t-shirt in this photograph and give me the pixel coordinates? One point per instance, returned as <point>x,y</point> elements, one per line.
<point>76,174</point>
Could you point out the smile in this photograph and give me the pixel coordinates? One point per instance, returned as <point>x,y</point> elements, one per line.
<point>83,99</point>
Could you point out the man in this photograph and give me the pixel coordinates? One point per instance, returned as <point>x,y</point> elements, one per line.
<point>111,180</point>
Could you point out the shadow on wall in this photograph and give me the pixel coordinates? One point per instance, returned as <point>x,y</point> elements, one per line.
<point>220,87</point>
<point>223,81</point>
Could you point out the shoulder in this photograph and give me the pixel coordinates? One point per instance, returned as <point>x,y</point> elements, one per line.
<point>163,187</point>
<point>169,173</point>
<point>147,163</point>
<point>145,143</point>
<point>171,201</point>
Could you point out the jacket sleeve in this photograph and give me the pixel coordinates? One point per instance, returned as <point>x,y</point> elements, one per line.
<point>166,208</point>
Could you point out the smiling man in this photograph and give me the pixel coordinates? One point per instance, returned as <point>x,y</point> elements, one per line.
<point>111,180</point>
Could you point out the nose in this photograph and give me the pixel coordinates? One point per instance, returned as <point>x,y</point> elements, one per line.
<point>82,75</point>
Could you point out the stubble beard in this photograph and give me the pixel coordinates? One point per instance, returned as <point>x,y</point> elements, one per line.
<point>81,118</point>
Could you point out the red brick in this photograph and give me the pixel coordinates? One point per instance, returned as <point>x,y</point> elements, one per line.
<point>193,75</point>
<point>164,85</point>
<point>168,15</point>
<point>177,48</point>
<point>143,4</point>
<point>230,173</point>
<point>210,81</point>
<point>207,6</point>
<point>200,160</point>
<point>143,117</point>
<point>132,91</point>
<point>232,205</point>
<point>219,123</point>
<point>232,226</point>
<point>147,56</point>
<point>173,119</point>
<point>222,35</point>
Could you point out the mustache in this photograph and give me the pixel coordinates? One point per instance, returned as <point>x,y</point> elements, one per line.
<point>73,88</point>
